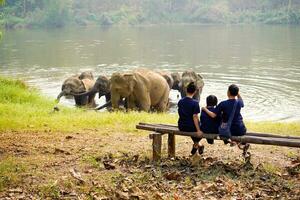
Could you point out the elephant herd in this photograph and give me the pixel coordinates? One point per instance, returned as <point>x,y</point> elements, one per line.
<point>140,89</point>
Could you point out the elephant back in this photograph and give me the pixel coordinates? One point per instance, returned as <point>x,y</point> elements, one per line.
<point>158,87</point>
<point>191,76</point>
<point>88,84</point>
<point>86,75</point>
<point>168,77</point>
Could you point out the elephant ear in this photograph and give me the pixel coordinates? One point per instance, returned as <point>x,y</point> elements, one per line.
<point>176,80</point>
<point>130,80</point>
<point>82,86</point>
<point>88,84</point>
<point>103,84</point>
<point>76,85</point>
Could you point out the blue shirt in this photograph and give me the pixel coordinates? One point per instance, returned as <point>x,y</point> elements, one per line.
<point>208,124</point>
<point>224,110</point>
<point>187,107</point>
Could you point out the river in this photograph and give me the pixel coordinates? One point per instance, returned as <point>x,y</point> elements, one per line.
<point>263,60</point>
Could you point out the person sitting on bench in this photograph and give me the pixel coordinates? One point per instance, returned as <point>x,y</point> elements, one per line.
<point>225,108</point>
<point>207,123</point>
<point>188,110</point>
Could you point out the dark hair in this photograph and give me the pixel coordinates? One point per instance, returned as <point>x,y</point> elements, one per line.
<point>233,90</point>
<point>211,100</point>
<point>191,88</point>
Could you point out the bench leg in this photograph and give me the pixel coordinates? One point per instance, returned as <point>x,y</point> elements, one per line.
<point>171,145</point>
<point>156,145</point>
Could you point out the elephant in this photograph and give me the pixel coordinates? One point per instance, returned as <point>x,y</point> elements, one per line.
<point>142,88</point>
<point>168,77</point>
<point>176,80</point>
<point>102,87</point>
<point>188,77</point>
<point>77,84</point>
<point>86,75</point>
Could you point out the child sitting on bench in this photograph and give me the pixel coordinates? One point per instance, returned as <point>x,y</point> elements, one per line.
<point>188,110</point>
<point>207,123</point>
<point>225,108</point>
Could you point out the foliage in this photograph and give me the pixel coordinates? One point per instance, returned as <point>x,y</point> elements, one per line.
<point>58,13</point>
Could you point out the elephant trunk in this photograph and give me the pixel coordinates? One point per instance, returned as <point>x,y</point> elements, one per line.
<point>115,98</point>
<point>91,92</point>
<point>62,93</point>
<point>104,106</point>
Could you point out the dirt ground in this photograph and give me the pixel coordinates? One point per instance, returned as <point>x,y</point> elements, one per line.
<point>103,164</point>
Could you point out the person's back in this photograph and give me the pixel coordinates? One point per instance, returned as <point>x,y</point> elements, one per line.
<point>188,110</point>
<point>207,123</point>
<point>187,107</point>
<point>225,108</point>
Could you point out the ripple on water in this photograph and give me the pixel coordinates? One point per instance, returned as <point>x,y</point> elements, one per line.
<point>266,97</point>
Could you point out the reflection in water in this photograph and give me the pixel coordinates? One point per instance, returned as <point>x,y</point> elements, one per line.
<point>263,60</point>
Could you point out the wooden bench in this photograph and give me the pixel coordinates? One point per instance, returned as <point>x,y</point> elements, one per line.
<point>158,130</point>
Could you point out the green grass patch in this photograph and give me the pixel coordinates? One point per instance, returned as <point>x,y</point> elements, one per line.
<point>10,173</point>
<point>23,108</point>
<point>50,190</point>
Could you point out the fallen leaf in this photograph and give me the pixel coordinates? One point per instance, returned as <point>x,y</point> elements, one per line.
<point>122,195</point>
<point>58,151</point>
<point>69,137</point>
<point>108,165</point>
<point>76,175</point>
<point>173,175</point>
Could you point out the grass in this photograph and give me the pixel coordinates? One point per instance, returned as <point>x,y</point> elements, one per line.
<point>10,172</point>
<point>50,190</point>
<point>24,109</point>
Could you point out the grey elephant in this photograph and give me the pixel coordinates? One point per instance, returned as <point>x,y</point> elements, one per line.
<point>102,87</point>
<point>186,78</point>
<point>168,76</point>
<point>78,84</point>
<point>176,77</point>
<point>143,89</point>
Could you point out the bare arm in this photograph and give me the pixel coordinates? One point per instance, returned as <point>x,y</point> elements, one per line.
<point>240,99</point>
<point>211,114</point>
<point>196,123</point>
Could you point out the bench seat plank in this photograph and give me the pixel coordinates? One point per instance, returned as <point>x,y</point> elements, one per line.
<point>253,139</point>
<point>174,127</point>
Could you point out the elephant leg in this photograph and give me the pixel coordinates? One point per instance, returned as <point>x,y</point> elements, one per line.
<point>197,96</point>
<point>78,101</point>
<point>91,100</point>
<point>182,93</point>
<point>163,104</point>
<point>84,101</point>
<point>115,99</point>
<point>144,102</point>
<point>129,103</point>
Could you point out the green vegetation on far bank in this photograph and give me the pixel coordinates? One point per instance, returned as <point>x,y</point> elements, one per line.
<point>24,109</point>
<point>59,13</point>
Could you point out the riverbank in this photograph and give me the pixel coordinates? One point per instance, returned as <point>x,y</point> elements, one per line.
<point>23,108</point>
<point>76,153</point>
